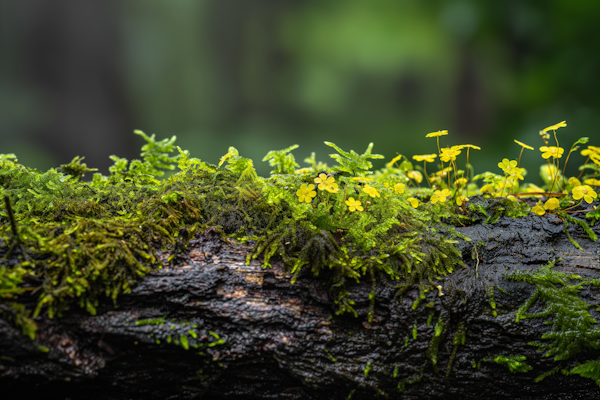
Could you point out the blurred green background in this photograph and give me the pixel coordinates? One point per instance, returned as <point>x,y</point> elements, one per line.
<point>77,76</point>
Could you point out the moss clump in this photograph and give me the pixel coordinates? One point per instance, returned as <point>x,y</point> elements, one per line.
<point>573,328</point>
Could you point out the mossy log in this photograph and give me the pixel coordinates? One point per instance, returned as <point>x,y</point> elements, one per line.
<point>210,326</point>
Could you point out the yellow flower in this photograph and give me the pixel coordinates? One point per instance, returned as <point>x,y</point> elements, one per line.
<point>538,209</point>
<point>386,184</point>
<point>462,146</point>
<point>306,193</point>
<point>523,145</point>
<point>592,182</point>
<point>425,157</point>
<point>413,202</point>
<point>555,126</point>
<point>438,133</point>
<point>371,191</point>
<point>551,204</point>
<point>449,154</point>
<point>595,158</point>
<point>444,172</point>
<point>552,151</point>
<point>460,181</point>
<point>486,188</point>
<point>399,188</point>
<point>397,158</point>
<point>507,166</point>
<point>516,173</point>
<point>303,170</point>
<point>327,183</point>
<point>440,195</point>
<point>415,175</point>
<point>353,205</point>
<point>461,199</point>
<point>590,150</point>
<point>584,191</point>
<point>574,181</point>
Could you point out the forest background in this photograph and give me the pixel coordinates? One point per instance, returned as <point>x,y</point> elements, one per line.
<point>78,76</point>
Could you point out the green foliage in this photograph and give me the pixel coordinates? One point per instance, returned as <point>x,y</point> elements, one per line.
<point>573,328</point>
<point>513,363</point>
<point>352,162</point>
<point>590,369</point>
<point>283,162</point>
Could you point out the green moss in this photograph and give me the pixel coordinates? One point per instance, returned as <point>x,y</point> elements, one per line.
<point>513,363</point>
<point>573,329</point>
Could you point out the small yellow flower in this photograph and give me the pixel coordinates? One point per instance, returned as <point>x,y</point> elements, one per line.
<point>439,288</point>
<point>574,181</point>
<point>306,193</point>
<point>438,133</point>
<point>413,202</point>
<point>303,170</point>
<point>538,209</point>
<point>523,145</point>
<point>449,154</point>
<point>584,191</point>
<point>460,182</point>
<point>486,189</point>
<point>327,183</point>
<point>440,195</point>
<point>507,166</point>
<point>595,158</point>
<point>552,151</point>
<point>470,146</point>
<point>397,158</point>
<point>415,175</point>
<point>461,199</point>
<point>555,126</point>
<point>591,182</point>
<point>444,172</point>
<point>516,173</point>
<point>386,184</point>
<point>425,157</point>
<point>354,205</point>
<point>590,150</point>
<point>551,204</point>
<point>399,188</point>
<point>371,191</point>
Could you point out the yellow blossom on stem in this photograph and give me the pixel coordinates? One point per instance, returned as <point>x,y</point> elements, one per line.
<point>555,126</point>
<point>590,150</point>
<point>591,182</point>
<point>584,191</point>
<point>413,202</point>
<point>551,204</point>
<point>470,146</point>
<point>523,145</point>
<point>486,189</point>
<point>353,205</point>
<point>440,195</point>
<point>552,151</point>
<point>507,166</point>
<point>444,172</point>
<point>306,193</point>
<point>574,181</point>
<point>538,209</point>
<point>327,183</point>
<point>393,160</point>
<point>436,134</point>
<point>461,199</point>
<point>460,181</point>
<point>425,157</point>
<point>399,188</point>
<point>415,175</point>
<point>449,154</point>
<point>371,191</point>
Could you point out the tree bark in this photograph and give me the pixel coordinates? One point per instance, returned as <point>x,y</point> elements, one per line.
<point>262,337</point>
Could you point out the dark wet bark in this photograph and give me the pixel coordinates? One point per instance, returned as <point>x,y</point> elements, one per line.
<point>284,341</point>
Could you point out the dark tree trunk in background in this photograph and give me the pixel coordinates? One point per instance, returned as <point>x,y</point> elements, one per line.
<point>283,341</point>
<point>69,52</point>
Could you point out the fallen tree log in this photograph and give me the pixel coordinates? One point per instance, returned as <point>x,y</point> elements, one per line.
<point>209,326</point>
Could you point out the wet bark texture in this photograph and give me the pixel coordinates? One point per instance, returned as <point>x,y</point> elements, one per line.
<point>284,341</point>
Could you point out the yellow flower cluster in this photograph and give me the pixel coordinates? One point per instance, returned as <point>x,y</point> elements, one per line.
<point>327,183</point>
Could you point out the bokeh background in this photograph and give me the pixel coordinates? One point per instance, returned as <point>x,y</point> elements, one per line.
<point>77,76</point>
